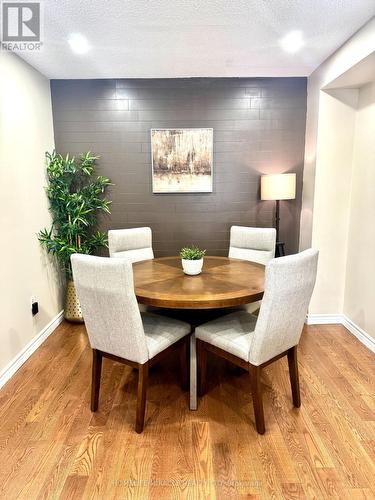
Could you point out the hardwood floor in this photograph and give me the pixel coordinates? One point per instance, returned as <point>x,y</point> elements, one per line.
<point>52,446</point>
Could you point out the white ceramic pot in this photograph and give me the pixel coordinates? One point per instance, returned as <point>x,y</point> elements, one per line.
<point>192,267</point>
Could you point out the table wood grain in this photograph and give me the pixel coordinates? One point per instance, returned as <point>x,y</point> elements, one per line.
<point>224,282</point>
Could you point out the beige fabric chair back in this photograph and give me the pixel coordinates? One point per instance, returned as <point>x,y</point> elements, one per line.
<point>256,244</point>
<point>132,244</point>
<point>289,283</point>
<point>106,293</point>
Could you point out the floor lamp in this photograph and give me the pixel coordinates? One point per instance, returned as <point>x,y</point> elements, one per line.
<point>278,187</point>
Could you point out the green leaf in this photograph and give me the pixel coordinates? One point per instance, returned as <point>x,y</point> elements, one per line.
<point>75,195</point>
<point>192,253</point>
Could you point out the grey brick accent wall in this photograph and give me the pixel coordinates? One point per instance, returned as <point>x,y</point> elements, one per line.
<point>259,127</point>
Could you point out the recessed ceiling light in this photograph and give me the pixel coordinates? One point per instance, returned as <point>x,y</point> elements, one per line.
<point>78,43</point>
<point>292,42</point>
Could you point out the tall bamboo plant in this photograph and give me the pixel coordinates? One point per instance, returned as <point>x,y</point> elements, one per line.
<point>75,195</point>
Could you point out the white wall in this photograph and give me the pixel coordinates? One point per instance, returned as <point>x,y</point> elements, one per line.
<point>26,132</point>
<point>338,203</point>
<point>344,207</point>
<point>354,50</point>
<point>332,198</point>
<point>359,295</point>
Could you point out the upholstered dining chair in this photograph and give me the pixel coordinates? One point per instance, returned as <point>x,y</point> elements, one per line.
<point>116,328</point>
<point>256,244</point>
<point>133,244</point>
<point>253,343</point>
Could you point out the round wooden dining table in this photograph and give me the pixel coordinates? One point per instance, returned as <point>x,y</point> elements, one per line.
<point>223,283</point>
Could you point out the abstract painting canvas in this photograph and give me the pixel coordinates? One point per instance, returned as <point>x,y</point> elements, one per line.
<point>182,160</point>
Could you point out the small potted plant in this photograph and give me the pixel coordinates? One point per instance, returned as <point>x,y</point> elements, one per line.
<point>192,260</point>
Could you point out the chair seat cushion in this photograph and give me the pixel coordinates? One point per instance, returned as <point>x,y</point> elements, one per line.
<point>232,333</point>
<point>161,332</point>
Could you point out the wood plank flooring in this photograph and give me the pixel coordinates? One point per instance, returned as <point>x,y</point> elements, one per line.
<point>53,447</point>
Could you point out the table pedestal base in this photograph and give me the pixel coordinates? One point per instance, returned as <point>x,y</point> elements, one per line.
<point>193,373</point>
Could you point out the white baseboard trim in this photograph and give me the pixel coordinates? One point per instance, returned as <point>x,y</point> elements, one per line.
<point>324,319</point>
<point>341,319</point>
<point>16,363</point>
<point>361,335</point>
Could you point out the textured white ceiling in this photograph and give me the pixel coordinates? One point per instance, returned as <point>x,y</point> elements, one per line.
<point>187,38</point>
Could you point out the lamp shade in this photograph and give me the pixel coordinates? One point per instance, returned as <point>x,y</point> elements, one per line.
<point>278,187</point>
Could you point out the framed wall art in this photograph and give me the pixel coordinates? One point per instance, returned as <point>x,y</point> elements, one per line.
<point>182,160</point>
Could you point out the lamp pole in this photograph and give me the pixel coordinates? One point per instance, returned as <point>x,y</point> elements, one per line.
<point>280,246</point>
<point>277,220</point>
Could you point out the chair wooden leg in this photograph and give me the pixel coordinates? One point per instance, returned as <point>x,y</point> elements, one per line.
<point>293,374</point>
<point>95,378</point>
<point>257,398</point>
<point>184,364</point>
<point>141,397</point>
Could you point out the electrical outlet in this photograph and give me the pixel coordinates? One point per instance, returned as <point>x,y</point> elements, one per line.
<point>34,306</point>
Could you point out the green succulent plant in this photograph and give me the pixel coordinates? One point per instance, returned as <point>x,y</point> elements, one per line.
<point>192,253</point>
<point>75,195</point>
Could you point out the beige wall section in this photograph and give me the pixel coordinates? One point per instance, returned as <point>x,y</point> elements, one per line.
<point>332,203</point>
<point>344,206</point>
<point>26,132</point>
<point>338,201</point>
<point>359,302</point>
<point>358,47</point>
